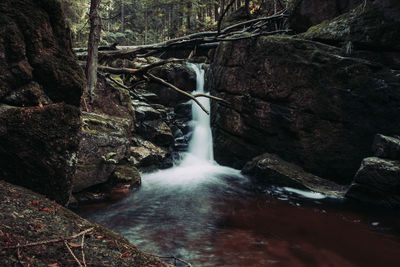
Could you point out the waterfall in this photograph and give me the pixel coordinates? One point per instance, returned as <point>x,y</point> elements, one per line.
<point>200,145</point>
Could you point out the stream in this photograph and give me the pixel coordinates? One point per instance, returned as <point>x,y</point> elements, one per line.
<point>211,215</point>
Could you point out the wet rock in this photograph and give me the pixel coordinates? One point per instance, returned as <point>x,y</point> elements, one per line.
<point>126,174</point>
<point>157,131</point>
<point>27,217</point>
<point>386,147</point>
<point>377,182</point>
<point>145,154</point>
<point>301,100</point>
<point>271,170</point>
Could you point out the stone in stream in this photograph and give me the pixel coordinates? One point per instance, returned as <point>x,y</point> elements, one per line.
<point>377,182</point>
<point>386,147</point>
<point>268,169</point>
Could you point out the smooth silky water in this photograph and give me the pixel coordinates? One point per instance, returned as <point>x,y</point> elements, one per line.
<point>210,215</point>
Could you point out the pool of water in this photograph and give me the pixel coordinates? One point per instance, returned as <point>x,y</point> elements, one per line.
<point>223,220</point>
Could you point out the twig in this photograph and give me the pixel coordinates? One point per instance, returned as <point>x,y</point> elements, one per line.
<point>159,80</point>
<point>212,97</point>
<point>175,258</point>
<point>50,241</point>
<point>117,82</point>
<point>83,252</point>
<point>72,253</point>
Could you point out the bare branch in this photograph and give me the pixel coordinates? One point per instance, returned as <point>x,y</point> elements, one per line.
<point>50,240</point>
<point>161,81</point>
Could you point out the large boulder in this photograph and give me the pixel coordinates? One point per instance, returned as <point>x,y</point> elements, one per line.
<point>377,182</point>
<point>303,101</point>
<point>177,74</point>
<point>40,89</point>
<point>105,136</point>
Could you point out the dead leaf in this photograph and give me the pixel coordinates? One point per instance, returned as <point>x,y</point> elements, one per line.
<point>35,202</point>
<point>46,209</point>
<point>53,265</point>
<point>74,245</point>
<point>126,255</point>
<point>100,237</point>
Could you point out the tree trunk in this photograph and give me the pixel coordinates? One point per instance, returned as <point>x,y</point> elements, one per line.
<point>93,44</point>
<point>122,16</point>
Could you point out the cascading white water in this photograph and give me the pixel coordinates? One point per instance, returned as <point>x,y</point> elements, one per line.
<point>201,145</point>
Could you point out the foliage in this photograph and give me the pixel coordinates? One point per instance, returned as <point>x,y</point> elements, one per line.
<point>135,22</point>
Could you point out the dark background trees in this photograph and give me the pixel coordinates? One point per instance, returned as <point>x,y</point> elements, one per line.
<point>137,22</point>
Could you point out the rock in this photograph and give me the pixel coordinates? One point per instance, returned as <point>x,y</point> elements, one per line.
<point>27,217</point>
<point>307,13</point>
<point>145,154</point>
<point>38,148</point>
<point>127,174</point>
<point>105,136</point>
<point>26,96</point>
<point>38,145</point>
<point>301,100</point>
<point>386,147</point>
<point>377,182</point>
<point>104,143</point>
<point>179,75</point>
<point>365,28</point>
<point>271,170</point>
<point>35,45</point>
<point>157,131</point>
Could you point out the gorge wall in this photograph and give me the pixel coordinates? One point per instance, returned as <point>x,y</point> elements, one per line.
<point>313,104</point>
<point>40,89</point>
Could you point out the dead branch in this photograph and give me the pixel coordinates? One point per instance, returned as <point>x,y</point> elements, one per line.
<point>72,253</point>
<point>161,81</point>
<point>44,242</point>
<point>201,39</point>
<point>82,249</point>
<point>174,258</point>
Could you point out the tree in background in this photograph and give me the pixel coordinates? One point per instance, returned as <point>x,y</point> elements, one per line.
<point>136,22</point>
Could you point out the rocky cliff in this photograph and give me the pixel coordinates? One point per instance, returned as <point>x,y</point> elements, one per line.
<point>40,89</point>
<point>311,102</point>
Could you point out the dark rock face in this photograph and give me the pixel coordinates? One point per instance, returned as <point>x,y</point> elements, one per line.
<point>271,170</point>
<point>377,182</point>
<point>307,13</point>
<point>41,84</point>
<point>36,45</point>
<point>177,74</point>
<point>38,151</point>
<point>373,26</point>
<point>303,101</point>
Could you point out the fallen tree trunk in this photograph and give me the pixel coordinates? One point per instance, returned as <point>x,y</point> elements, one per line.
<point>209,39</point>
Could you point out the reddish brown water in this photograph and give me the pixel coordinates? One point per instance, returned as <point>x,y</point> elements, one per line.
<point>225,223</point>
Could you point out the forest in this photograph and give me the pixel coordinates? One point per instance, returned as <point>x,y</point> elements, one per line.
<point>199,133</point>
<point>128,22</point>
